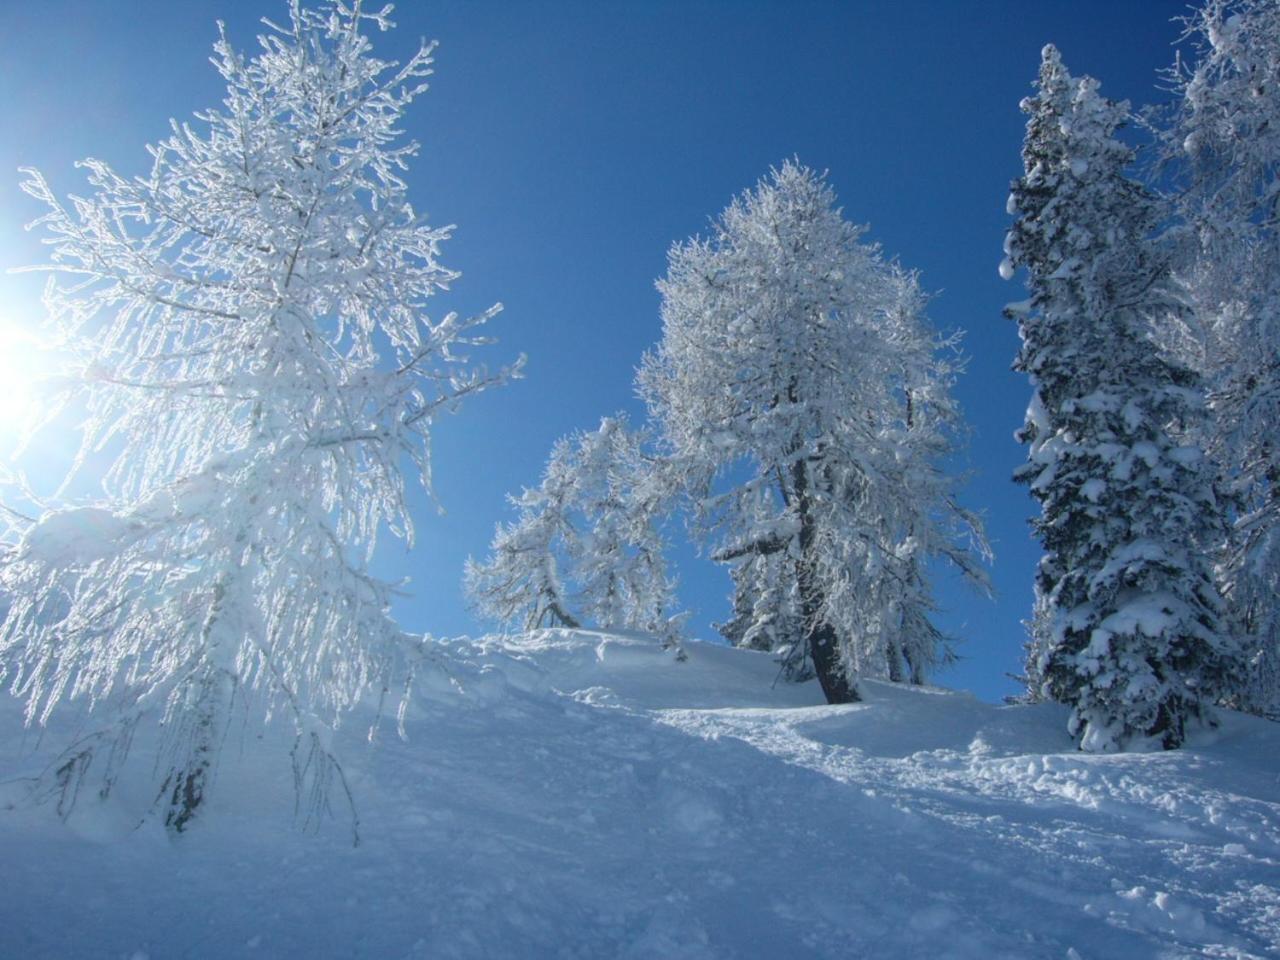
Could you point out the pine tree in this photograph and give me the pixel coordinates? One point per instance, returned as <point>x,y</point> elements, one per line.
<point>1224,148</point>
<point>782,386</point>
<point>587,546</point>
<point>258,364</point>
<point>1125,594</point>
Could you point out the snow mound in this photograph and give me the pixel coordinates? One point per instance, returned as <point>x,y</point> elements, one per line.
<point>580,795</point>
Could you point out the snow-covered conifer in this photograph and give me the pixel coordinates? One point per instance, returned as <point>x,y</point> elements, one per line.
<point>766,603</point>
<point>1225,147</point>
<point>587,546</point>
<point>1127,608</point>
<point>255,360</point>
<point>791,360</point>
<point>521,584</point>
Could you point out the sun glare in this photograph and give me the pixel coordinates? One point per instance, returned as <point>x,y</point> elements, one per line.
<point>21,364</point>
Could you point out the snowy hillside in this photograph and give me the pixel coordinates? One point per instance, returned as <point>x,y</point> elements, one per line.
<point>579,795</point>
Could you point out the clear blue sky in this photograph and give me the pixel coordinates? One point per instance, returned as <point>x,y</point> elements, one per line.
<point>573,142</point>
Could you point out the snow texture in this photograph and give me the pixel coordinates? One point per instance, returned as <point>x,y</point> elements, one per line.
<point>575,794</point>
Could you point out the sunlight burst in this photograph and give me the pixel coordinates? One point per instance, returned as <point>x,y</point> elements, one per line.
<point>21,365</point>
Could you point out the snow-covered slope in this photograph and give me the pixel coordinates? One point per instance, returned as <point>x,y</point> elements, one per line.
<point>579,795</point>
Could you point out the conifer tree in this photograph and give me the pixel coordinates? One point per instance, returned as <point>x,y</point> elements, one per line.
<point>1127,607</point>
<point>783,387</point>
<point>521,583</point>
<point>766,611</point>
<point>587,546</point>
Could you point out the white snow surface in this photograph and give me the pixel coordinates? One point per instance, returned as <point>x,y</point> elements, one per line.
<point>571,794</point>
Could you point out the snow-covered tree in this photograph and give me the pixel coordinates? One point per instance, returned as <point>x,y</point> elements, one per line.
<point>805,402</point>
<point>1224,146</point>
<point>587,546</point>
<point>934,525</point>
<point>766,603</point>
<point>1127,616</point>
<point>256,366</point>
<point>756,575</point>
<point>521,583</point>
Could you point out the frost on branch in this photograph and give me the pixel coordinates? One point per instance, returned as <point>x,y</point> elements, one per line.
<point>766,597</point>
<point>256,359</point>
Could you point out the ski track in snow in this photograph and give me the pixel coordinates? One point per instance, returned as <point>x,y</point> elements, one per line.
<point>577,795</point>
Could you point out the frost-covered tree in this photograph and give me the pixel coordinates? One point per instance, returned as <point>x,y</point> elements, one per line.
<point>934,525</point>
<point>521,583</point>
<point>1224,146</point>
<point>587,546</point>
<point>804,400</point>
<point>764,584</point>
<point>257,368</point>
<point>766,603</point>
<point>1127,614</point>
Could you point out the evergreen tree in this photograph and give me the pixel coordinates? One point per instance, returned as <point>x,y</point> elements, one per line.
<point>258,365</point>
<point>1126,603</point>
<point>790,350</point>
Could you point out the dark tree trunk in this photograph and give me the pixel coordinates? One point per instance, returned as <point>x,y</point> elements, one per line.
<point>824,650</point>
<point>893,660</point>
<point>556,616</point>
<point>820,636</point>
<point>189,780</point>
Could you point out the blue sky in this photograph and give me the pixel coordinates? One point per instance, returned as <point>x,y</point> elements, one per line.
<point>573,142</point>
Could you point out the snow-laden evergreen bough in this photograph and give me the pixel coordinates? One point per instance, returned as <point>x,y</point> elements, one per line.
<point>806,406</point>
<point>255,362</point>
<point>1223,147</point>
<point>1128,615</point>
<point>587,546</point>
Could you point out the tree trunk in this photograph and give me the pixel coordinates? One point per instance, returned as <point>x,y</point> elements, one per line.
<point>820,636</point>
<point>824,649</point>
<point>893,660</point>
<point>197,749</point>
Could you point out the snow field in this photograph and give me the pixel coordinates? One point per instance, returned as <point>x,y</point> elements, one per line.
<point>580,795</point>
